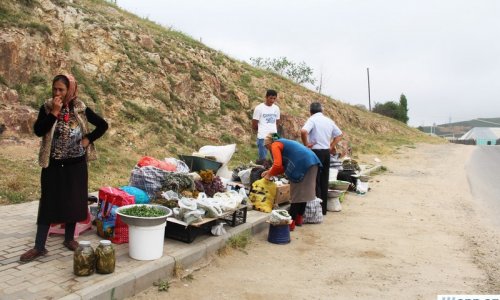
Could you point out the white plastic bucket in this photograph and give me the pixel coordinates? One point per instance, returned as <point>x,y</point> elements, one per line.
<point>333,204</point>
<point>146,242</point>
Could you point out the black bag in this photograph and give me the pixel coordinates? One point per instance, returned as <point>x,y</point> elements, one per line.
<point>256,174</point>
<point>345,175</point>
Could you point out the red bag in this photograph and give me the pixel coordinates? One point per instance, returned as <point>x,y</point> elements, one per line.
<point>109,224</point>
<point>150,161</point>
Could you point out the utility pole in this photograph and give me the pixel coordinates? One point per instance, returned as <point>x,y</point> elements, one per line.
<point>369,100</point>
<point>320,82</point>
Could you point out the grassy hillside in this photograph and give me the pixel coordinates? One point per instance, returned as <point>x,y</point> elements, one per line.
<point>162,92</point>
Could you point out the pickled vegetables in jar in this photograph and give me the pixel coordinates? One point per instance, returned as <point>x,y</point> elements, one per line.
<point>84,259</point>
<point>105,255</point>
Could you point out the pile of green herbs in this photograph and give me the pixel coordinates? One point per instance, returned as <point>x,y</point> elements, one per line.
<point>143,211</point>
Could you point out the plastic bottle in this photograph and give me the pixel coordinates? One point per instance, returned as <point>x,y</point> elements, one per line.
<point>105,255</point>
<point>84,259</point>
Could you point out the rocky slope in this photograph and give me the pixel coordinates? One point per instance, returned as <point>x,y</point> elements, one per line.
<point>162,92</point>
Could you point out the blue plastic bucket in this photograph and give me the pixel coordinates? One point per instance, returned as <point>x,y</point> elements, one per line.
<point>279,234</point>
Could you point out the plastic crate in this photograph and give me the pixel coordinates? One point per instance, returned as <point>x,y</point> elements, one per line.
<point>187,234</point>
<point>236,218</point>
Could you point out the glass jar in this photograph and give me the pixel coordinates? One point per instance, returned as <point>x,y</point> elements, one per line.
<point>84,259</point>
<point>105,255</point>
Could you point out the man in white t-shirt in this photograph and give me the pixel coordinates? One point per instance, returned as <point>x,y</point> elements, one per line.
<point>265,120</point>
<point>321,134</point>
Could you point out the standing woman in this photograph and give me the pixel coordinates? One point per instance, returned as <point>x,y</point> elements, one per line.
<point>67,145</point>
<point>300,165</point>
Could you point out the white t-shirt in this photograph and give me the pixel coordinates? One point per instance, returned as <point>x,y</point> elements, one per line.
<point>267,117</point>
<point>321,130</point>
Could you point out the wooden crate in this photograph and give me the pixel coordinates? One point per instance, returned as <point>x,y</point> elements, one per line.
<point>282,194</point>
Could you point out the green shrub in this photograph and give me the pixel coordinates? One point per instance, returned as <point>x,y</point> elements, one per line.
<point>3,81</point>
<point>33,27</point>
<point>107,86</point>
<point>38,79</point>
<point>195,75</point>
<point>227,138</point>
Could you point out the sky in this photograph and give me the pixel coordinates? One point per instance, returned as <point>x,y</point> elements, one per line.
<point>443,55</point>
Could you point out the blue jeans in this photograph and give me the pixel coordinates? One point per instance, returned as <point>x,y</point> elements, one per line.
<point>262,149</point>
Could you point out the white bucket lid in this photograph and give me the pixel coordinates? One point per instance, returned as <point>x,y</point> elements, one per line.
<point>84,243</point>
<point>105,242</point>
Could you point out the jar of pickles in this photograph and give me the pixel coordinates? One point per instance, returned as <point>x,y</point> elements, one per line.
<point>105,255</point>
<point>84,259</point>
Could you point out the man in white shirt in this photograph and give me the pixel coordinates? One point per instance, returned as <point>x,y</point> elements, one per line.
<point>265,120</point>
<point>321,135</point>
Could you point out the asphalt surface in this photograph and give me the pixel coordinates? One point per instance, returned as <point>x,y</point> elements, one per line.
<point>483,172</point>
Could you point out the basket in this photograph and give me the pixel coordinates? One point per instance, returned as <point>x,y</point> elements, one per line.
<point>196,163</point>
<point>187,234</point>
<point>238,217</point>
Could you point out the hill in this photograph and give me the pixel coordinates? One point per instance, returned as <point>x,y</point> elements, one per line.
<point>457,129</point>
<point>162,92</point>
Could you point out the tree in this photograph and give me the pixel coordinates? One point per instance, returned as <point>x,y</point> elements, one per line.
<point>403,107</point>
<point>298,72</point>
<point>391,109</point>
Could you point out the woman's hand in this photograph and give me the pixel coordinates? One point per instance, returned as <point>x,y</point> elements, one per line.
<point>57,105</point>
<point>85,142</point>
<point>265,175</point>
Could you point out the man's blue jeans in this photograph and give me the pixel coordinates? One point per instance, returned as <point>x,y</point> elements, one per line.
<point>262,149</point>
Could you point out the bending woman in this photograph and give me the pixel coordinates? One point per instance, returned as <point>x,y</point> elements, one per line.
<point>300,165</point>
<point>67,145</point>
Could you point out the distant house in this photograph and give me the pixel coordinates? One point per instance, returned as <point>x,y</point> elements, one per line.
<point>483,135</point>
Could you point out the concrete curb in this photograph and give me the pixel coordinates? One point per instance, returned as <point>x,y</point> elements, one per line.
<point>371,170</point>
<point>131,282</point>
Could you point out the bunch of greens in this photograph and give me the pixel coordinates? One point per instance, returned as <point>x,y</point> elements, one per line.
<point>143,211</point>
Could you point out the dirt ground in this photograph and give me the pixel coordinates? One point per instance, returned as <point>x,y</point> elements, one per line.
<point>417,233</point>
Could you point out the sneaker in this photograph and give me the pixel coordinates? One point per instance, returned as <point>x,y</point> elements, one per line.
<point>292,225</point>
<point>32,254</point>
<point>299,220</point>
<point>71,245</point>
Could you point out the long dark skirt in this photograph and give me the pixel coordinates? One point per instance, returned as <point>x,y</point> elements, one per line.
<point>64,192</point>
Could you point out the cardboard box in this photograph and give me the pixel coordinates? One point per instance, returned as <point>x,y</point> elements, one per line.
<point>282,194</point>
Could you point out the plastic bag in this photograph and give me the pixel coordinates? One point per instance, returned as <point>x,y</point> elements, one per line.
<point>361,187</point>
<point>229,200</point>
<point>149,179</point>
<point>212,209</point>
<point>222,154</point>
<point>263,194</point>
<point>314,212</point>
<point>153,162</point>
<point>244,176</point>
<point>180,166</point>
<point>279,217</point>
<point>170,195</point>
<point>140,196</point>
<point>109,224</point>
<point>333,204</point>
<point>218,229</point>
<point>193,216</point>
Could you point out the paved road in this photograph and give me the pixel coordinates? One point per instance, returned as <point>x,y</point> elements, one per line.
<point>483,171</point>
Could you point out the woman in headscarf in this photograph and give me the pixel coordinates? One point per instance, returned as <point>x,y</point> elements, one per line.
<point>300,165</point>
<point>67,145</point>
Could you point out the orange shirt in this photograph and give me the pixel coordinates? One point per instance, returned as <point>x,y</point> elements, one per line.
<point>277,168</point>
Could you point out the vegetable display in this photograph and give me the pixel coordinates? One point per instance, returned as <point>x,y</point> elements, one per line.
<point>143,211</point>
